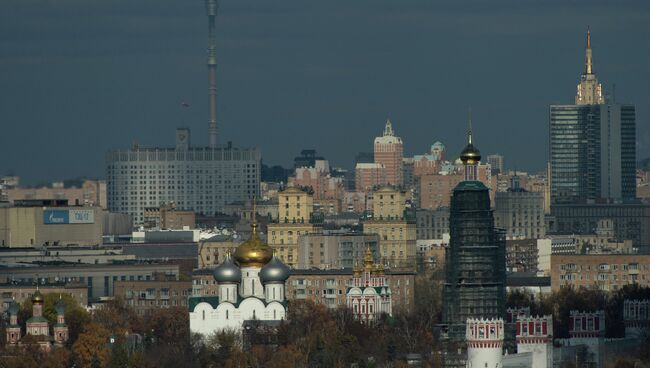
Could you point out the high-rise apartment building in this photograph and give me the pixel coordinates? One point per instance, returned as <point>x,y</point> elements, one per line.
<point>389,152</point>
<point>475,264</point>
<point>496,163</point>
<point>592,145</point>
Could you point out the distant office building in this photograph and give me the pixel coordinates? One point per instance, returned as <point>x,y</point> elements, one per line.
<point>496,162</point>
<point>520,212</point>
<point>592,145</point>
<point>99,278</point>
<point>307,158</point>
<point>37,224</point>
<point>86,193</point>
<point>389,152</point>
<point>475,266</point>
<point>432,224</point>
<point>364,158</point>
<point>196,179</point>
<point>168,217</point>
<point>630,221</point>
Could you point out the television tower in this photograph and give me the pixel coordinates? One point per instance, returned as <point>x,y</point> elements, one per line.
<point>211,8</point>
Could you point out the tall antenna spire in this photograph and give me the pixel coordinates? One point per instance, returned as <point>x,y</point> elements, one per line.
<point>588,58</point>
<point>211,8</point>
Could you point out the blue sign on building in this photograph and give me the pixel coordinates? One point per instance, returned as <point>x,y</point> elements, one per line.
<point>53,217</point>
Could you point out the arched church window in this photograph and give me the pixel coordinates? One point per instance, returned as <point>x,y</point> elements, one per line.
<point>227,314</point>
<point>203,312</point>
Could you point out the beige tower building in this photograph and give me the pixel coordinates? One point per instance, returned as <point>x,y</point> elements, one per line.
<point>590,92</point>
<point>389,152</point>
<point>295,208</point>
<point>388,203</point>
<point>397,233</point>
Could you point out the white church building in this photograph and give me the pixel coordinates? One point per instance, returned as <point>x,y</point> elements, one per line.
<point>251,286</point>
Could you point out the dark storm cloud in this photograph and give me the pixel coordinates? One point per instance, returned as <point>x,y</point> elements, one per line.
<point>80,77</point>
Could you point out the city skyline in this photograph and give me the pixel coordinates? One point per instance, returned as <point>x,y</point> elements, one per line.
<point>75,78</point>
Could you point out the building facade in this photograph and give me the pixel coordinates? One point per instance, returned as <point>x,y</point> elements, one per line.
<point>389,152</point>
<point>520,213</point>
<point>89,193</point>
<point>496,163</point>
<point>368,176</point>
<point>599,271</point>
<point>294,206</point>
<point>42,225</point>
<point>333,249</point>
<point>99,279</point>
<point>630,221</point>
<point>432,224</point>
<point>198,179</point>
<point>147,296</point>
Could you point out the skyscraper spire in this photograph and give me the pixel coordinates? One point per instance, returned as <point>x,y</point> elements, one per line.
<point>588,58</point>
<point>589,92</point>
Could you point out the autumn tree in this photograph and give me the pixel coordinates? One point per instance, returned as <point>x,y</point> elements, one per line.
<point>91,346</point>
<point>118,318</point>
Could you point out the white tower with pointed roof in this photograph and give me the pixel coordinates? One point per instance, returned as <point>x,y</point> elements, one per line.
<point>590,92</point>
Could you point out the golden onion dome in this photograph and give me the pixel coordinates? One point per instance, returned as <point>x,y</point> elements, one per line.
<point>470,155</point>
<point>37,298</point>
<point>253,252</point>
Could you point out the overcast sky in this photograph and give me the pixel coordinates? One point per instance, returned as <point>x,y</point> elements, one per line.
<point>80,77</point>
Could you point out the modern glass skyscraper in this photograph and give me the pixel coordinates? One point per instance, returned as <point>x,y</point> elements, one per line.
<point>475,262</point>
<point>592,145</point>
